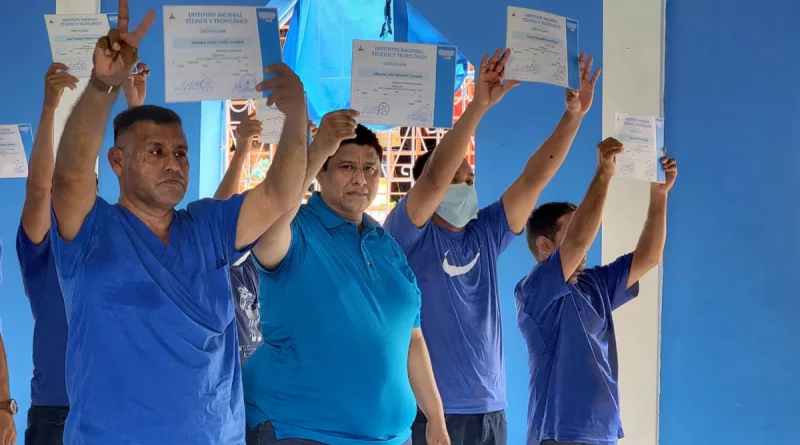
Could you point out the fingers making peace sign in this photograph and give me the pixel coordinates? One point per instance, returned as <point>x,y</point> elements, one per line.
<point>116,53</point>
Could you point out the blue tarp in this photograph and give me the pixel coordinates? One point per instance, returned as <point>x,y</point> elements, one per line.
<point>319,43</point>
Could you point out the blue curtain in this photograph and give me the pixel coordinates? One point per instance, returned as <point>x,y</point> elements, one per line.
<point>319,44</point>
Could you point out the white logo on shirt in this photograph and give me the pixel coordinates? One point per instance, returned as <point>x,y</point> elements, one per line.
<point>246,303</point>
<point>455,271</point>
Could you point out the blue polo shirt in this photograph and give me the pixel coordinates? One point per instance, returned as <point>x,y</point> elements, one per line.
<point>39,277</point>
<point>336,317</point>
<point>572,351</point>
<point>151,347</point>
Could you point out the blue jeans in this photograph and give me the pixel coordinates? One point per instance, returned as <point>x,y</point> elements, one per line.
<point>264,434</point>
<point>466,429</point>
<point>46,425</point>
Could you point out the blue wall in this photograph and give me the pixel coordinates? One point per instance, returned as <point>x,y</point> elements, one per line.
<point>508,135</point>
<point>730,333</point>
<point>505,139</point>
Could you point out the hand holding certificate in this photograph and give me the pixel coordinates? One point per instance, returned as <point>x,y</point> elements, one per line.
<point>74,37</point>
<point>643,138</point>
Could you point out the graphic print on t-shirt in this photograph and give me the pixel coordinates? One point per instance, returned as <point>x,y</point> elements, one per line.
<point>249,305</point>
<point>454,271</point>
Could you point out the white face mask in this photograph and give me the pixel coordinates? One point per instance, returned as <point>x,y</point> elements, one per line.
<point>459,205</point>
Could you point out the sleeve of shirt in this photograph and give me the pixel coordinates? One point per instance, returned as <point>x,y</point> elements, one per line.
<point>399,225</point>
<point>412,278</point>
<point>32,257</point>
<point>616,280</point>
<point>294,256</point>
<point>223,218</point>
<point>493,220</point>
<point>70,255</point>
<point>543,286</point>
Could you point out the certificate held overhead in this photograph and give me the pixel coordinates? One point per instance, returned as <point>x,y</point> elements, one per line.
<point>218,52</point>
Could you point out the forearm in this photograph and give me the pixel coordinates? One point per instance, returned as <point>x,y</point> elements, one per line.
<point>229,185</point>
<point>585,223</point>
<point>420,375</point>
<point>545,162</point>
<point>5,387</point>
<point>286,176</point>
<point>40,172</point>
<point>650,247</point>
<point>82,138</point>
<point>449,154</point>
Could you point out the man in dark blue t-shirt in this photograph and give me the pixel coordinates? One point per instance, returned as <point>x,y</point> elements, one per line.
<point>453,248</point>
<point>49,404</point>
<point>565,311</point>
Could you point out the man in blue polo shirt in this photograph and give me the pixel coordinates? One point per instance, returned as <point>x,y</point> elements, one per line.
<point>453,248</point>
<point>565,311</point>
<point>151,343</point>
<point>49,404</point>
<point>343,357</point>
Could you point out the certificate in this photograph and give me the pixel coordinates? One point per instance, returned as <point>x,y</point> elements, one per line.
<point>642,138</point>
<point>73,39</point>
<point>544,48</point>
<point>403,84</point>
<point>218,52</point>
<point>14,139</point>
<point>271,122</point>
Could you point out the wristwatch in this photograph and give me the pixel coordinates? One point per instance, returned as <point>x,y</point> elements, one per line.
<point>10,405</point>
<point>99,85</point>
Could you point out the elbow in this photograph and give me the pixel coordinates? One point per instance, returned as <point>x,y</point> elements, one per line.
<point>648,260</point>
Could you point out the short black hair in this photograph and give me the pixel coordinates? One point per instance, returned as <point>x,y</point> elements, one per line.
<point>144,113</point>
<point>419,164</point>
<point>364,136</point>
<point>544,222</point>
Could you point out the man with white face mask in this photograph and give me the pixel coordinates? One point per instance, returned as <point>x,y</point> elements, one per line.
<point>453,247</point>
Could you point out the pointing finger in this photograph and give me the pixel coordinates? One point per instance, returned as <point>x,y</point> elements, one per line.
<point>135,38</point>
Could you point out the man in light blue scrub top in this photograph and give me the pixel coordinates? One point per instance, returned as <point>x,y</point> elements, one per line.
<point>151,346</point>
<point>565,311</point>
<point>453,248</point>
<point>343,360</point>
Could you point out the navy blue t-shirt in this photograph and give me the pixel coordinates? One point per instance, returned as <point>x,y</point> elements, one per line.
<point>39,277</point>
<point>244,284</point>
<point>572,351</point>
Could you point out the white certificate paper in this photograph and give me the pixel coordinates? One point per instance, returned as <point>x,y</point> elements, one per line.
<point>403,84</point>
<point>271,122</point>
<point>218,52</point>
<point>643,140</point>
<point>14,140</point>
<point>544,48</point>
<point>74,37</point>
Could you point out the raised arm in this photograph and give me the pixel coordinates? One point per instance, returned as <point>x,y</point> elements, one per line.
<point>74,181</point>
<point>36,210</point>
<point>520,198</point>
<point>335,127</point>
<point>279,191</point>
<point>8,430</point>
<point>429,189</point>
<point>246,135</point>
<point>585,223</point>
<point>135,87</point>
<point>650,247</point>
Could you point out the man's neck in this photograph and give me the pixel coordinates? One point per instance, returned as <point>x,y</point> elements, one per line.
<point>440,222</point>
<point>157,220</point>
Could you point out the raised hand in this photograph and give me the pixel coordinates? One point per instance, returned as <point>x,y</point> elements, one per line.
<point>247,133</point>
<point>335,127</point>
<point>580,101</point>
<point>288,94</point>
<point>116,53</point>
<point>607,152</point>
<point>56,79</point>
<point>490,87</point>
<point>670,174</point>
<point>136,86</point>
